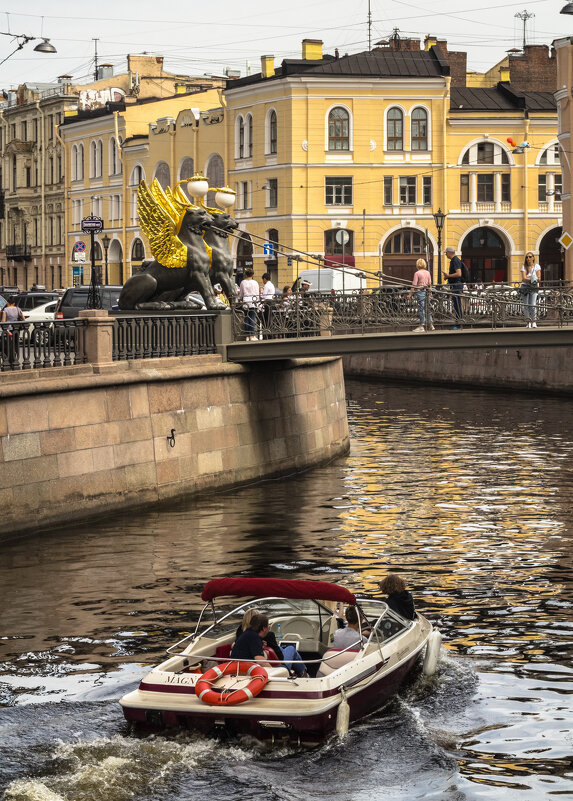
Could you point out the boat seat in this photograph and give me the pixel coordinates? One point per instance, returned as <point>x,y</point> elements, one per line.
<point>333,659</point>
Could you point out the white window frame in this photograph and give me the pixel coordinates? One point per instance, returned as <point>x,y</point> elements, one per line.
<point>350,130</point>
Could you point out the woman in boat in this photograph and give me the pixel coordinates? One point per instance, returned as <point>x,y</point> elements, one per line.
<point>289,655</point>
<point>399,598</point>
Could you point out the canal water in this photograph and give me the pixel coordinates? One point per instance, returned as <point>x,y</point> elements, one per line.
<point>467,493</point>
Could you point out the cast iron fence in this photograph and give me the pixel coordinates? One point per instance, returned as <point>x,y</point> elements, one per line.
<point>27,346</point>
<point>149,336</point>
<point>390,308</point>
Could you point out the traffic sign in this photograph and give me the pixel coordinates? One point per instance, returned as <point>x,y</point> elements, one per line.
<point>79,246</point>
<point>565,240</point>
<point>268,249</point>
<point>92,224</point>
<point>342,236</point>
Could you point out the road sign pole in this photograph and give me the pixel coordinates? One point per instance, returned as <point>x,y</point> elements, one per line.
<point>91,225</point>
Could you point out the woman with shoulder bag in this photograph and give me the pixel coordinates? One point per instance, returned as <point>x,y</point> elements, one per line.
<point>530,277</point>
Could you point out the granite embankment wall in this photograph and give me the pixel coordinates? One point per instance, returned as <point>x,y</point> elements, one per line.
<point>75,442</point>
<point>536,369</point>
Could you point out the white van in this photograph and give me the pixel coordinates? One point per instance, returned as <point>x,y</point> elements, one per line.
<point>331,280</point>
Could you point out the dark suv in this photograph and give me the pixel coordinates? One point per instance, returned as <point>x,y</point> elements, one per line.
<point>28,301</point>
<point>75,299</point>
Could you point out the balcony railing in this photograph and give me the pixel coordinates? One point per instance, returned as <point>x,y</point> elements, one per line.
<point>19,252</point>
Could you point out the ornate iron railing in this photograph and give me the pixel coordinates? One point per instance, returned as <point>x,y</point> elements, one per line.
<point>391,308</point>
<point>146,336</point>
<point>27,346</point>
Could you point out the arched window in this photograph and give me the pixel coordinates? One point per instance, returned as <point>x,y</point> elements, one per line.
<point>137,175</point>
<point>249,135</point>
<point>99,158</point>
<point>395,129</point>
<point>401,251</point>
<point>339,129</point>
<point>215,174</point>
<point>550,155</point>
<point>338,253</point>
<point>93,159</point>
<point>244,254</point>
<point>74,163</point>
<point>273,240</point>
<point>485,153</point>
<point>419,129</point>
<point>137,250</point>
<point>114,160</point>
<point>97,251</point>
<point>186,171</point>
<point>272,132</point>
<point>240,139</point>
<point>163,174</point>
<point>80,163</point>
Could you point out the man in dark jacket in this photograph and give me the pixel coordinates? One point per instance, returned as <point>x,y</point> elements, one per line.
<point>455,281</point>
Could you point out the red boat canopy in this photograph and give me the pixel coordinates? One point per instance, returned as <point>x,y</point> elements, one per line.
<point>282,588</point>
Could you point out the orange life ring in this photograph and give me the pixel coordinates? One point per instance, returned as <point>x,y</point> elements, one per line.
<point>205,692</point>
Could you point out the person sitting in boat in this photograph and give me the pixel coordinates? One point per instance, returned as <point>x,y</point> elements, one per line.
<point>350,636</point>
<point>270,644</point>
<point>399,598</point>
<point>250,644</point>
<point>287,654</point>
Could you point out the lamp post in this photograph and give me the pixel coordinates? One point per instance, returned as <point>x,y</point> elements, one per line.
<point>439,219</point>
<point>21,39</point>
<point>105,240</point>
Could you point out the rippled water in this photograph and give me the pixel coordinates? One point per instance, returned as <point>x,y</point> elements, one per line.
<point>468,493</point>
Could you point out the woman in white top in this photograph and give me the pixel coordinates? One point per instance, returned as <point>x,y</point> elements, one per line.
<point>530,278</point>
<point>249,293</point>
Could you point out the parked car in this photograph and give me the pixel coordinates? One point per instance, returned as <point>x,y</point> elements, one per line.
<point>28,301</point>
<point>44,313</point>
<point>75,298</point>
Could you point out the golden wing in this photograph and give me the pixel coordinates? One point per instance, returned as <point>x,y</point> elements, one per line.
<point>160,222</point>
<point>178,200</point>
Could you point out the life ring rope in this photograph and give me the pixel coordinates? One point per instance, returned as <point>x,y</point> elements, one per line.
<point>229,696</point>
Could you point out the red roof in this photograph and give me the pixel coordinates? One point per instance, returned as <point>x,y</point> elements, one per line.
<point>282,588</point>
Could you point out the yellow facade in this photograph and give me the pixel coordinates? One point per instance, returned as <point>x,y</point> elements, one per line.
<point>107,186</point>
<point>377,188</point>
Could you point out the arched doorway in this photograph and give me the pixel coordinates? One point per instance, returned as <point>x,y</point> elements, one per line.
<point>244,255</point>
<point>483,252</point>
<point>551,256</point>
<point>402,250</point>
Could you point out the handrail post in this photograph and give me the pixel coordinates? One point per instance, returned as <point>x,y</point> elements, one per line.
<point>223,332</point>
<point>98,336</point>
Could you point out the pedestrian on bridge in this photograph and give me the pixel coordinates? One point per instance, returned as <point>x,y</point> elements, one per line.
<point>530,277</point>
<point>249,293</point>
<point>421,285</point>
<point>456,283</point>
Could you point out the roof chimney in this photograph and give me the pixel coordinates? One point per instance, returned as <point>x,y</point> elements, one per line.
<point>267,66</point>
<point>430,41</point>
<point>504,75</point>
<point>312,49</point>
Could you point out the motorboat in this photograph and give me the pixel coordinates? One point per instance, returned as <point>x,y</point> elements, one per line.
<point>201,688</point>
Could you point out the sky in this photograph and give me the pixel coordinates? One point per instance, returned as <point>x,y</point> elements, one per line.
<point>234,35</point>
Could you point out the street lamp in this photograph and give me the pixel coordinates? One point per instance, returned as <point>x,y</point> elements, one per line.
<point>439,219</point>
<point>45,45</point>
<point>105,240</point>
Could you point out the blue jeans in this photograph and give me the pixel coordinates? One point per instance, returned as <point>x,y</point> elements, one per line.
<point>292,659</point>
<point>250,319</point>
<point>530,306</point>
<point>422,294</point>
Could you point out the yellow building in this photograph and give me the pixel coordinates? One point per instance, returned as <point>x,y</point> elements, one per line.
<point>109,150</point>
<point>375,143</point>
<point>36,176</point>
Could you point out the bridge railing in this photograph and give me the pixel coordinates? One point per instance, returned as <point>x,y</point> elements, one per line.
<point>151,336</point>
<point>394,308</point>
<point>27,346</point>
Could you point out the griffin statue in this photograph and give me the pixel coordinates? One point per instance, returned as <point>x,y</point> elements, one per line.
<point>190,249</point>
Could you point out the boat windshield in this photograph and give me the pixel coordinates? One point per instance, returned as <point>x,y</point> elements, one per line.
<point>229,617</point>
